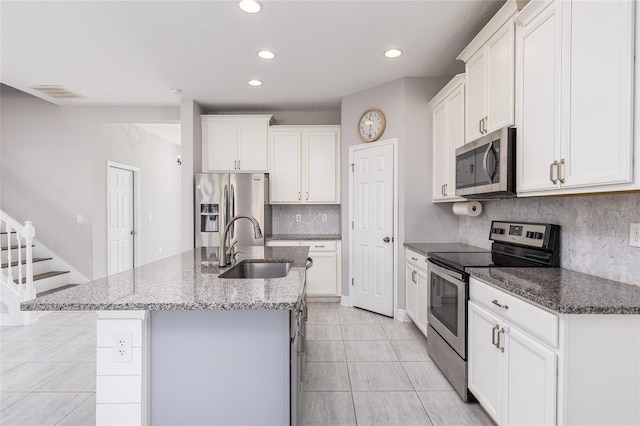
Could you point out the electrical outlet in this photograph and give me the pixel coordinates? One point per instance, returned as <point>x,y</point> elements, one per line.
<point>79,218</point>
<point>159,249</point>
<point>324,217</point>
<point>298,217</point>
<point>121,347</point>
<point>634,234</point>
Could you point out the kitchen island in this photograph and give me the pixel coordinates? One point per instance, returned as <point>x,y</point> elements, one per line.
<point>176,344</point>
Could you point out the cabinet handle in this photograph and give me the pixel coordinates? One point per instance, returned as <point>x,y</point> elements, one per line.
<point>446,187</point>
<point>495,302</point>
<point>494,337</point>
<point>299,196</point>
<point>552,166</point>
<point>480,126</point>
<point>413,276</point>
<point>307,195</point>
<point>561,171</point>
<point>319,246</point>
<point>484,123</point>
<point>502,331</point>
<point>414,259</point>
<point>238,164</point>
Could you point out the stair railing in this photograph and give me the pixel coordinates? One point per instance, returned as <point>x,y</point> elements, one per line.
<point>24,235</point>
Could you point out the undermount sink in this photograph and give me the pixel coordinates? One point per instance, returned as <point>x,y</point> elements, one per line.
<point>258,269</point>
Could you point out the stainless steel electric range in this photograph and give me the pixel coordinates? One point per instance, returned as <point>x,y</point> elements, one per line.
<point>514,245</point>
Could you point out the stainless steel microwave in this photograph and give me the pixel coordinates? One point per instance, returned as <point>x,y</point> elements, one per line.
<point>485,168</point>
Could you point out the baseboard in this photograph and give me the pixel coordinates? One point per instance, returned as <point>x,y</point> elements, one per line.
<point>401,315</point>
<point>346,301</point>
<point>322,299</point>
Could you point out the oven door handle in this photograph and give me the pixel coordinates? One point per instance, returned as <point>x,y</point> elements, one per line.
<point>441,269</point>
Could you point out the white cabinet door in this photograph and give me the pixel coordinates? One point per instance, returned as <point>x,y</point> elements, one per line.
<point>538,100</point>
<point>322,276</point>
<point>530,382</point>
<point>456,139</point>
<point>321,167</point>
<point>284,173</point>
<point>411,279</point>
<point>440,148</point>
<point>500,52</point>
<point>423,300</point>
<point>220,140</point>
<point>476,86</point>
<point>252,146</point>
<point>484,368</point>
<point>600,143</point>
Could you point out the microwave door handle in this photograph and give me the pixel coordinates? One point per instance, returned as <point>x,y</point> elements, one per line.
<point>484,162</point>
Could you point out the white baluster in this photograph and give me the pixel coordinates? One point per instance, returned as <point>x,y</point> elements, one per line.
<point>29,233</point>
<point>19,240</point>
<point>10,273</point>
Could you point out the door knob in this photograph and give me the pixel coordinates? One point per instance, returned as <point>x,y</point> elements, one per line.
<point>386,239</point>
<point>133,232</point>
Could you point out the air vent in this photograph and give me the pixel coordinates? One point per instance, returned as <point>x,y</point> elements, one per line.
<point>58,92</point>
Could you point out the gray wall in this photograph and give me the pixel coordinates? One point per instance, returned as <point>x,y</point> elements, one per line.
<point>53,162</point>
<point>594,235</point>
<point>331,117</point>
<point>408,115</point>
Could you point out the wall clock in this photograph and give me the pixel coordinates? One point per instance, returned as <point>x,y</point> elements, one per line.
<point>371,125</point>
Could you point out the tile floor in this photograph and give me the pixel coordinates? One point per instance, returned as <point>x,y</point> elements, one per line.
<point>48,371</point>
<point>367,369</point>
<point>362,369</point>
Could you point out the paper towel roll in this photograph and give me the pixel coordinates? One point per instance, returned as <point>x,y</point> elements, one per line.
<point>467,208</point>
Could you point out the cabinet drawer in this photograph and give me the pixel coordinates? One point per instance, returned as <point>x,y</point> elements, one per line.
<point>542,324</point>
<point>320,245</point>
<point>417,260</point>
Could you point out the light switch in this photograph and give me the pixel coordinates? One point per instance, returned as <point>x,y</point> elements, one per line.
<point>79,219</point>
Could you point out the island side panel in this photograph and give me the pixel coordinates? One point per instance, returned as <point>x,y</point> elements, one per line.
<point>220,367</point>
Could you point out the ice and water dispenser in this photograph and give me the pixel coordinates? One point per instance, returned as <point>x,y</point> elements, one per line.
<point>209,217</point>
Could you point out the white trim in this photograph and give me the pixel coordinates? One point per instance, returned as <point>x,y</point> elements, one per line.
<point>346,300</point>
<point>393,142</point>
<point>136,211</point>
<point>401,315</point>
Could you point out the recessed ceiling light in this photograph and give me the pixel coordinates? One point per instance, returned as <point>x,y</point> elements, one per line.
<point>254,83</point>
<point>266,54</point>
<point>250,6</point>
<point>176,91</point>
<point>392,53</point>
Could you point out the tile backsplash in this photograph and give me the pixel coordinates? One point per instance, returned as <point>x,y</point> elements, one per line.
<point>594,230</point>
<point>284,219</point>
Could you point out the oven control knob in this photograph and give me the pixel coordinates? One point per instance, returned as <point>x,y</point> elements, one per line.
<point>539,235</point>
<point>530,234</point>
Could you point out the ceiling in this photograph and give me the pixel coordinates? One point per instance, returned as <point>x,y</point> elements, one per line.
<point>135,52</point>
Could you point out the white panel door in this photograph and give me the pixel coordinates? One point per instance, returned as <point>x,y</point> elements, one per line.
<point>373,186</point>
<point>531,382</point>
<point>119,220</point>
<point>475,92</point>
<point>500,73</point>
<point>320,179</point>
<point>284,172</point>
<point>252,147</point>
<point>220,139</point>
<point>484,366</point>
<point>538,100</point>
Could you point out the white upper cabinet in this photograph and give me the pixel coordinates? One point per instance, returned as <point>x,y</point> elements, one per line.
<point>304,164</point>
<point>489,69</point>
<point>235,143</point>
<point>574,97</point>
<point>448,135</point>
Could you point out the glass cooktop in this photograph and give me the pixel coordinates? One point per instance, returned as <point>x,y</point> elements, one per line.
<point>463,260</point>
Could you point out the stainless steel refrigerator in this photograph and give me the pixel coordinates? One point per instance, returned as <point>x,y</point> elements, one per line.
<point>221,196</point>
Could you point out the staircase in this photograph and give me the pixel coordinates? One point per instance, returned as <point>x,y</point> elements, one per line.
<point>23,274</point>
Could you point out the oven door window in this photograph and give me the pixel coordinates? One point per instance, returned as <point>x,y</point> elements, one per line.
<point>444,302</point>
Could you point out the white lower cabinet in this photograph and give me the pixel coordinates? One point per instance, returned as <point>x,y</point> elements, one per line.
<point>323,276</point>
<point>417,289</point>
<point>511,372</point>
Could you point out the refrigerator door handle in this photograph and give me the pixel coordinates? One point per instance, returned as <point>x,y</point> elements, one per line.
<point>225,207</point>
<point>232,208</point>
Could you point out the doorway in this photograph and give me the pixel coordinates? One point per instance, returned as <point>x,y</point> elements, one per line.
<point>122,241</point>
<point>373,213</point>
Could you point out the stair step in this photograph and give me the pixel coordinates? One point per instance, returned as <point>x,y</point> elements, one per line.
<point>35,259</point>
<point>64,287</point>
<point>43,276</point>
<point>14,247</point>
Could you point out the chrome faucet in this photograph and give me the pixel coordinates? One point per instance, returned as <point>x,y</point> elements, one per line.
<point>225,258</point>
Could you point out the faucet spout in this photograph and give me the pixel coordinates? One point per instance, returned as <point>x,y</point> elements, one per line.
<point>225,255</point>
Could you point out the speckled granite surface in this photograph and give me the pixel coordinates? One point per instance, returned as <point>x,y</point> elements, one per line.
<point>425,248</point>
<point>563,290</point>
<point>305,237</point>
<point>188,281</point>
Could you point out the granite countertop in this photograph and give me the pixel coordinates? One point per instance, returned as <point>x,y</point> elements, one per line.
<point>187,281</point>
<point>297,237</point>
<point>564,291</point>
<point>425,248</point>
